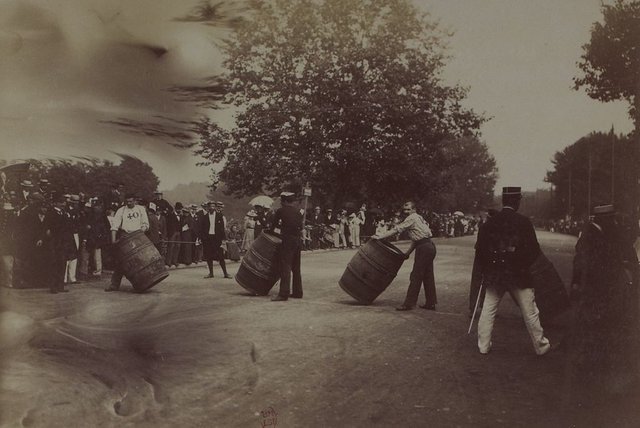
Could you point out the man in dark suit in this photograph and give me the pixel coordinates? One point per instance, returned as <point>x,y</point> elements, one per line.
<point>212,231</point>
<point>186,236</point>
<point>289,221</point>
<point>507,246</point>
<point>62,242</point>
<point>317,222</point>
<point>173,235</point>
<point>161,204</point>
<point>37,227</point>
<point>603,345</point>
<point>26,189</point>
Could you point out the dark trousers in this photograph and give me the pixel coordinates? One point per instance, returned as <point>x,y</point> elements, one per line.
<point>212,251</point>
<point>173,249</point>
<point>58,267</point>
<point>290,264</point>
<point>422,274</point>
<point>116,277</point>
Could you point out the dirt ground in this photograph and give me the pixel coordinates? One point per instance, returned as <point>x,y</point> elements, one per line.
<point>197,352</point>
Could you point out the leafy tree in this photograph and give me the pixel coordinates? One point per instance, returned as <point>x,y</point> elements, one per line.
<point>95,177</point>
<point>347,95</point>
<point>611,59</point>
<point>571,174</point>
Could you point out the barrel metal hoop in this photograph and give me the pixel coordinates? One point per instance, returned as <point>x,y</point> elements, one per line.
<point>374,263</point>
<point>360,278</point>
<point>255,272</point>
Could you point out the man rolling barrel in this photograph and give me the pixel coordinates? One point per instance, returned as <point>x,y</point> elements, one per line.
<point>128,219</point>
<point>422,272</point>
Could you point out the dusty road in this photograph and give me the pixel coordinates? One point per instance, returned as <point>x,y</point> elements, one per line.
<point>196,352</point>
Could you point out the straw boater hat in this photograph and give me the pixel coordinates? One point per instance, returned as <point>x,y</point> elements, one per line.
<point>26,183</point>
<point>252,213</point>
<point>219,204</point>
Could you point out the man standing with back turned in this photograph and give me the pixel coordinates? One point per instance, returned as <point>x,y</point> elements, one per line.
<point>289,220</point>
<point>506,247</point>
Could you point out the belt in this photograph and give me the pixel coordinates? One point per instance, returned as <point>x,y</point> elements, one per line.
<point>423,241</point>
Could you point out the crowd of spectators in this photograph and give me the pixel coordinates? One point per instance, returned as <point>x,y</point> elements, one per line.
<point>567,226</point>
<point>345,228</point>
<point>30,241</point>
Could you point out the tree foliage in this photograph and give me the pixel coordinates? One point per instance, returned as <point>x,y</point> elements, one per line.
<point>571,174</point>
<point>611,59</point>
<point>347,95</point>
<point>95,177</point>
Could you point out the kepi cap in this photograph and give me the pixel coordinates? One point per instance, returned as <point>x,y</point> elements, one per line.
<point>511,191</point>
<point>603,210</point>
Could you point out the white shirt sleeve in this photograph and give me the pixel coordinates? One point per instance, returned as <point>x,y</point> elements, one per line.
<point>117,220</point>
<point>144,219</point>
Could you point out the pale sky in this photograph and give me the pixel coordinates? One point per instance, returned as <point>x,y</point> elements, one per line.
<point>68,66</point>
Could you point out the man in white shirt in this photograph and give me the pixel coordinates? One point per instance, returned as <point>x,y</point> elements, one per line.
<point>128,219</point>
<point>422,273</point>
<point>213,230</point>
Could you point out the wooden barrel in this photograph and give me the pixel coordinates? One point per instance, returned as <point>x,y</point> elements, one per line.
<point>258,271</point>
<point>140,261</point>
<point>371,270</point>
<point>551,296</point>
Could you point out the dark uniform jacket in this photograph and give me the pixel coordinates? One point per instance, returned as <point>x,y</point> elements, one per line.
<point>507,246</point>
<point>289,220</point>
<point>62,240</point>
<point>7,231</point>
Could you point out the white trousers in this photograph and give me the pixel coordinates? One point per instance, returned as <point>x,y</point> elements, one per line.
<point>354,230</point>
<point>530,314</point>
<point>97,258</point>
<point>6,270</point>
<point>72,265</point>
